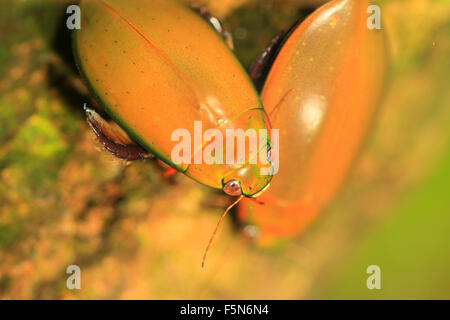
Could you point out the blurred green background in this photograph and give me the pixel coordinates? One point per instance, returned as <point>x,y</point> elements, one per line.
<point>138,235</point>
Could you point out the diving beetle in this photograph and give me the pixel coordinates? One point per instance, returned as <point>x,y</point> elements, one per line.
<point>157,66</point>
<point>324,81</point>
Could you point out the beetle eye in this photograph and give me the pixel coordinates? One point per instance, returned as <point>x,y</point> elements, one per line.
<point>232,188</point>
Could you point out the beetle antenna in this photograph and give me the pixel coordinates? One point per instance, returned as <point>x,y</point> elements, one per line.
<point>275,111</point>
<point>217,228</point>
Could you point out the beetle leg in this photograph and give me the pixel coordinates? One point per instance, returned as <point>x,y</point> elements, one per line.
<point>217,24</point>
<point>261,67</point>
<point>170,172</point>
<point>113,140</point>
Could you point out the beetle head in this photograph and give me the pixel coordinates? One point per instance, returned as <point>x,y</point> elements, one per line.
<point>247,180</point>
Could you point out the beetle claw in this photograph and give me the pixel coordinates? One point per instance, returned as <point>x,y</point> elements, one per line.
<point>113,139</point>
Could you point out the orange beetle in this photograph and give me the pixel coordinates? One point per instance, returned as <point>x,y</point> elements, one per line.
<point>321,92</point>
<point>157,67</point>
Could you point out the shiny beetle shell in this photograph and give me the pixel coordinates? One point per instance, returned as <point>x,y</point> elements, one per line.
<point>157,66</point>
<point>324,85</point>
